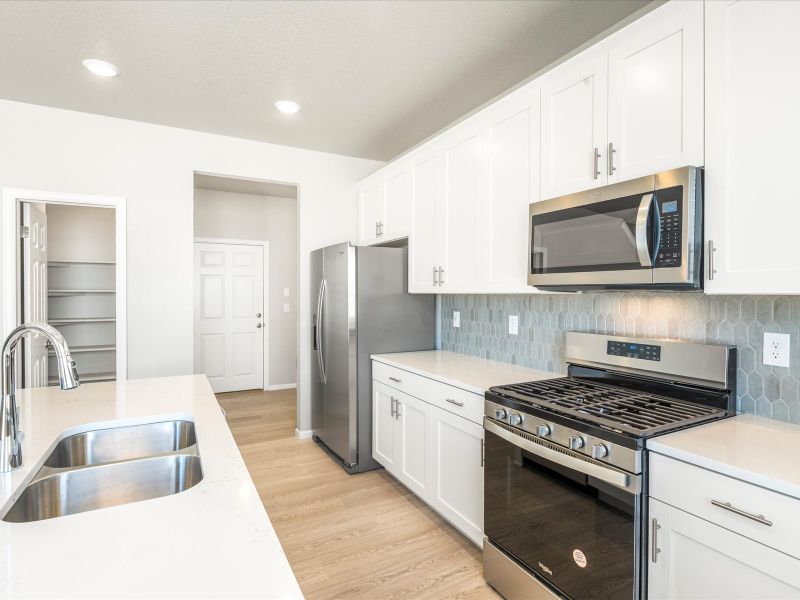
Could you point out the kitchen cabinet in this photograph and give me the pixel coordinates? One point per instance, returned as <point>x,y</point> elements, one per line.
<point>458,475</point>
<point>372,212</point>
<point>655,93</point>
<point>691,558</point>
<point>385,206</point>
<point>423,243</point>
<point>752,129</point>
<point>397,194</point>
<point>432,442</point>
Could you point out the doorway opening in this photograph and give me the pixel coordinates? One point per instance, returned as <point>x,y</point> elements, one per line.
<point>64,264</point>
<point>245,284</point>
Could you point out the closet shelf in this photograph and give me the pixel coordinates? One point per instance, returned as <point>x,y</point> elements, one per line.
<point>75,321</point>
<point>78,292</point>
<point>81,349</point>
<point>64,263</point>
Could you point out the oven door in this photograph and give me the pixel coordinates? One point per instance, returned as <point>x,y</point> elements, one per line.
<point>570,520</point>
<point>603,237</point>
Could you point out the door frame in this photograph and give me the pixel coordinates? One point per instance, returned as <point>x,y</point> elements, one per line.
<point>265,309</point>
<point>10,277</point>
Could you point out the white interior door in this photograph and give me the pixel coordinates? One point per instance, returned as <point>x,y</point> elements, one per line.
<point>34,301</point>
<point>229,321</point>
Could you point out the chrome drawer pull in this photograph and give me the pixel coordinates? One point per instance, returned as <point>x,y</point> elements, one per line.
<point>395,379</point>
<point>757,518</point>
<point>456,402</point>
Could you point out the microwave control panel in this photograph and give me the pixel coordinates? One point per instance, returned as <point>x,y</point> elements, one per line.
<point>670,205</point>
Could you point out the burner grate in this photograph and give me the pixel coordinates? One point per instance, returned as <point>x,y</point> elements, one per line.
<point>630,411</point>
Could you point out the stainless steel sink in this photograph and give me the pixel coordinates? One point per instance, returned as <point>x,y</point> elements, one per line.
<point>121,443</point>
<point>75,491</point>
<point>109,467</point>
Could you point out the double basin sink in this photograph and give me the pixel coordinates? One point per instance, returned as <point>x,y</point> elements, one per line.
<point>109,467</point>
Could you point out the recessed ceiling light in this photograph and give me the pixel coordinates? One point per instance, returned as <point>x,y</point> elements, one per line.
<point>101,67</point>
<point>287,106</point>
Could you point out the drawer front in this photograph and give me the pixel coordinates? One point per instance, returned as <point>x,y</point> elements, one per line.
<point>723,500</point>
<point>452,399</point>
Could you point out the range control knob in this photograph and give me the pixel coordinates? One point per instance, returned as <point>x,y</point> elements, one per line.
<point>543,430</point>
<point>515,419</point>
<point>576,442</point>
<point>599,451</point>
<point>500,414</point>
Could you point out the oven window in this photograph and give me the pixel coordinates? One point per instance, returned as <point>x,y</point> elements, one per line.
<point>571,529</point>
<point>594,237</point>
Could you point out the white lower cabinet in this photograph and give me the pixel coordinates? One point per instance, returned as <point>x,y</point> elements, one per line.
<point>702,561</point>
<point>436,453</point>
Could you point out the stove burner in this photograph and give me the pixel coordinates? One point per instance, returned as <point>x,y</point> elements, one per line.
<point>629,411</point>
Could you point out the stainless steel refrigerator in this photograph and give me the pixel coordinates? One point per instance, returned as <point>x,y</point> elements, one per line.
<point>362,307</point>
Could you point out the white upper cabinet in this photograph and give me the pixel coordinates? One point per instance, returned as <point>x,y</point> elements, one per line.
<point>460,226</point>
<point>574,117</point>
<point>397,195</point>
<point>372,205</point>
<point>655,93</point>
<point>752,131</point>
<point>510,184</point>
<point>423,242</point>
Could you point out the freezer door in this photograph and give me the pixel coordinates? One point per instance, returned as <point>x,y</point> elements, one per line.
<point>338,343</point>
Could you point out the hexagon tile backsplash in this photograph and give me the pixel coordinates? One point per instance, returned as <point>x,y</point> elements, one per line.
<point>544,318</point>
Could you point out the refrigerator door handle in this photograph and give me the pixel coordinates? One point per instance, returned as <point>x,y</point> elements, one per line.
<point>318,332</point>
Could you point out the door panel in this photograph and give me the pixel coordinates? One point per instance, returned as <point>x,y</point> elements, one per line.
<point>656,92</point>
<point>338,351</point>
<point>229,292</point>
<point>415,445</point>
<point>372,211</point>
<point>384,426</point>
<point>34,272</point>
<point>398,205</point>
<point>574,120</point>
<point>422,248</point>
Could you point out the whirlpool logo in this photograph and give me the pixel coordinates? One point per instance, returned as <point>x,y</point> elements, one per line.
<point>545,569</point>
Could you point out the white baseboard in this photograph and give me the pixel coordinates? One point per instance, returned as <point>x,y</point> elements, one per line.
<point>280,386</point>
<point>303,435</point>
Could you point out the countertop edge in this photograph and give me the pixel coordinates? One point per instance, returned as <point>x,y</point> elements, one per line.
<point>422,373</point>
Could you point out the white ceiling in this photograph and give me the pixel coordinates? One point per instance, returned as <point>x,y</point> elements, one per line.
<point>374,78</point>
<point>244,186</point>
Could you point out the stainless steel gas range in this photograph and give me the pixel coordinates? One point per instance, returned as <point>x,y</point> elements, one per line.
<point>565,476</point>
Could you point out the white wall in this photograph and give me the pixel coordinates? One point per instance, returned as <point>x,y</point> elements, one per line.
<point>152,166</point>
<point>80,233</point>
<point>249,217</point>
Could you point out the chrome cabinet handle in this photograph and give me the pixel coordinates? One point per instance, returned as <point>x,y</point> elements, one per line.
<point>395,379</point>
<point>711,269</point>
<point>376,229</point>
<point>596,167</point>
<point>654,539</point>
<point>435,276</point>
<point>441,275</point>
<point>743,513</point>
<point>456,402</point>
<point>642,224</point>
<point>397,414</point>
<point>379,225</point>
<point>483,453</point>
<point>392,408</point>
<point>611,151</point>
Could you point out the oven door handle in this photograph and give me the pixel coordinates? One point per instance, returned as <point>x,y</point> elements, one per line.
<point>642,226</point>
<point>612,476</point>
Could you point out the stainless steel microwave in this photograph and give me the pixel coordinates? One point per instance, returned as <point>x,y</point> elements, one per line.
<point>641,234</point>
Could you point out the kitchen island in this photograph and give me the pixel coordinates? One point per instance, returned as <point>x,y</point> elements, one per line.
<point>213,540</point>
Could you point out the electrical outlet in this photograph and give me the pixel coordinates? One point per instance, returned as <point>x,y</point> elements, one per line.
<point>513,324</point>
<point>456,318</point>
<point>286,292</point>
<point>285,308</point>
<point>776,349</point>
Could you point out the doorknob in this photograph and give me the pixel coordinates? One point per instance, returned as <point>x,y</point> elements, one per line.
<point>259,325</point>
<point>258,315</point>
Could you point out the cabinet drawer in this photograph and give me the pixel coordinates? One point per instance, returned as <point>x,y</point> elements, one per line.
<point>696,490</point>
<point>452,399</point>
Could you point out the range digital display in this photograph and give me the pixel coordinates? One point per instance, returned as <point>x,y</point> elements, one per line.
<point>640,351</point>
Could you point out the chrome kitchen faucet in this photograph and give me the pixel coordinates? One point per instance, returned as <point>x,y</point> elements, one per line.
<point>10,435</point>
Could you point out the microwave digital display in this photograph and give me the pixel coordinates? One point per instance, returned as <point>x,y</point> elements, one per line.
<point>669,207</point>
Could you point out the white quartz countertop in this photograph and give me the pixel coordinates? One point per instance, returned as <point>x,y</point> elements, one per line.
<point>760,451</point>
<point>470,373</point>
<point>213,540</point>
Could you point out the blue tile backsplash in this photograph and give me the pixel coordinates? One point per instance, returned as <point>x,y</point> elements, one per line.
<point>544,318</point>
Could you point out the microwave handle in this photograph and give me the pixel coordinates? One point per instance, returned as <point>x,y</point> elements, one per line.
<point>643,224</point>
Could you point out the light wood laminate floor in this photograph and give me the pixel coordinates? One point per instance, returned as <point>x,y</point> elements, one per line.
<point>347,536</point>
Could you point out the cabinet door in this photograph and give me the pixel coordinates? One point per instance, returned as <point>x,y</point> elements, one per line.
<point>460,219</point>
<point>511,183</point>
<point>701,561</point>
<point>574,121</point>
<point>655,92</point>
<point>372,212</point>
<point>458,472</point>
<point>422,243</point>
<point>398,205</point>
<point>384,426</point>
<point>414,448</point>
<point>752,133</point>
